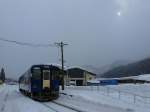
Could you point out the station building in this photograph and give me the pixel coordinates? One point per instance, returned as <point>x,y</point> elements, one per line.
<point>78,76</point>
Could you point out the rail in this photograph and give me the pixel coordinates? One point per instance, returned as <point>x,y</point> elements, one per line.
<point>51,108</point>
<point>69,107</point>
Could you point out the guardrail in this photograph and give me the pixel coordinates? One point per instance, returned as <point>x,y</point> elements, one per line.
<point>127,96</point>
<point>116,93</point>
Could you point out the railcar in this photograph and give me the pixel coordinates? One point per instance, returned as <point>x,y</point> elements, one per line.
<point>41,82</point>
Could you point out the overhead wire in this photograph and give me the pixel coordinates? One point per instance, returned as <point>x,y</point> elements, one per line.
<point>26,44</point>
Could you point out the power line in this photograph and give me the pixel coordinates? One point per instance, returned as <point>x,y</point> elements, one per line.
<point>61,45</point>
<point>26,44</point>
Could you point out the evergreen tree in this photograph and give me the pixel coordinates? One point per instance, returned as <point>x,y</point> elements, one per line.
<point>3,75</point>
<point>0,76</point>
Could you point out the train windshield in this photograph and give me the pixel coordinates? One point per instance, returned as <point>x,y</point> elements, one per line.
<point>36,74</point>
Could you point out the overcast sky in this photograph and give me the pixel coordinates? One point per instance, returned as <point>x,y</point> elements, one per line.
<point>98,32</point>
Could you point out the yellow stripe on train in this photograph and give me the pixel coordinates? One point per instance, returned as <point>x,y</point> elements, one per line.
<point>46,84</point>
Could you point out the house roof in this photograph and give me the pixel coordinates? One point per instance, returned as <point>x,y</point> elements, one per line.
<point>81,68</point>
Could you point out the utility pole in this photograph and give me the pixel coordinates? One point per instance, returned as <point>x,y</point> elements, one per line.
<point>61,45</point>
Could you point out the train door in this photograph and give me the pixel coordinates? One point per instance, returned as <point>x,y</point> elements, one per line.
<point>46,79</point>
<point>55,80</point>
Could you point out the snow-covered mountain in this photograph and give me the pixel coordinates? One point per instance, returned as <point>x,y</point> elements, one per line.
<point>100,70</point>
<point>131,69</point>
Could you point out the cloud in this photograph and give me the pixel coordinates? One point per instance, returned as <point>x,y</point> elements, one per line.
<point>123,5</point>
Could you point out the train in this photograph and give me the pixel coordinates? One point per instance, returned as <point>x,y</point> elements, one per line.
<point>41,82</point>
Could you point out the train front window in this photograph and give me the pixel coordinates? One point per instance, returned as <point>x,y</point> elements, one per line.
<point>46,74</point>
<point>36,74</point>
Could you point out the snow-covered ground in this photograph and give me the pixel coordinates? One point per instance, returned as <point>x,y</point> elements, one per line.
<point>87,105</point>
<point>138,89</point>
<point>12,101</point>
<point>117,96</point>
<point>85,99</point>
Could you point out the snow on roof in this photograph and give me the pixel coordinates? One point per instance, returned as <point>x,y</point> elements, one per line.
<point>143,77</point>
<point>85,69</point>
<point>54,64</point>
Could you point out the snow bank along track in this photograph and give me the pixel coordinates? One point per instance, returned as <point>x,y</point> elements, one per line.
<point>4,99</point>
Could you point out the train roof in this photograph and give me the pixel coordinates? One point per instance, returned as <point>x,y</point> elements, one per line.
<point>54,65</point>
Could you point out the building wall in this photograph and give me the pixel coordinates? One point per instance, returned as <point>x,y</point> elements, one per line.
<point>86,78</point>
<point>89,76</point>
<point>70,81</point>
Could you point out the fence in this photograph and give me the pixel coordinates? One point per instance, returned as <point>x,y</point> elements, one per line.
<point>116,93</point>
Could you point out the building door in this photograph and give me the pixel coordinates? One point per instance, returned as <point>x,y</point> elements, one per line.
<point>79,82</point>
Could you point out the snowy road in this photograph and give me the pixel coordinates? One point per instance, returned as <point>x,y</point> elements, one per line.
<point>11,100</point>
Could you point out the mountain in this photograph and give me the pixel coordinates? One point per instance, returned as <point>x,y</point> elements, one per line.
<point>100,70</point>
<point>132,69</point>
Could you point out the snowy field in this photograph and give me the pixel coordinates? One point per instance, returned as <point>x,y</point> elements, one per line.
<point>141,90</point>
<point>78,99</point>
<point>130,97</point>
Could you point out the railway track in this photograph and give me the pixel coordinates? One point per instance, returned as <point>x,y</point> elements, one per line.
<point>52,105</point>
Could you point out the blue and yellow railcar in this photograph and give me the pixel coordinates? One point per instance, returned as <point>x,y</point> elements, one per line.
<point>41,82</point>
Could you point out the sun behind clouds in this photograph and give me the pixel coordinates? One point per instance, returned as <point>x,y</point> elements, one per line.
<point>119,13</point>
